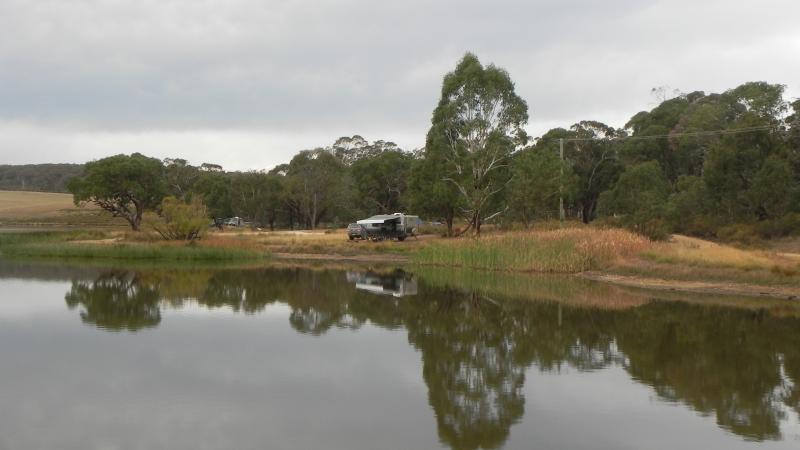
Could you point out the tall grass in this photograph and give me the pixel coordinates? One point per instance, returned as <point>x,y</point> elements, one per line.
<point>567,250</point>
<point>130,252</point>
<point>31,237</point>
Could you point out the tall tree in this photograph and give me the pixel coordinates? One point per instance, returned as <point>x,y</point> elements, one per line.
<point>180,177</point>
<point>215,188</point>
<point>640,196</point>
<point>317,184</point>
<point>539,178</point>
<point>480,118</point>
<point>381,181</point>
<point>428,194</point>
<point>258,197</point>
<point>123,185</point>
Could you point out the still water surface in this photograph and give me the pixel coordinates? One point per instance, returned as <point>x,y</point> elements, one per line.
<point>288,358</point>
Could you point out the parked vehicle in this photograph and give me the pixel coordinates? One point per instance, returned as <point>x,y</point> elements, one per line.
<point>391,226</point>
<point>234,222</point>
<point>356,231</point>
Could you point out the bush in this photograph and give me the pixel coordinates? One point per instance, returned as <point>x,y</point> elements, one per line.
<point>698,225</point>
<point>783,226</point>
<point>655,229</point>
<point>182,221</point>
<point>742,233</point>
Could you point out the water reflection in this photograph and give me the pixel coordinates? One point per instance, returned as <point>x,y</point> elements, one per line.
<point>396,284</point>
<point>116,301</point>
<point>741,366</point>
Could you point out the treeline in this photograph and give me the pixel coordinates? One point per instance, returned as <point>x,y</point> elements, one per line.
<point>720,164</point>
<point>38,177</point>
<point>336,184</point>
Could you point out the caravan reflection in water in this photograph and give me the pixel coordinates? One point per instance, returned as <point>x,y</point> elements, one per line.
<point>396,284</point>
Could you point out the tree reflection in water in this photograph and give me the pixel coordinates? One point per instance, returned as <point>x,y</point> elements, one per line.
<point>740,365</point>
<point>116,301</point>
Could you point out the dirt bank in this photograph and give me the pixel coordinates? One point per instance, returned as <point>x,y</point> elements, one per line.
<point>704,287</point>
<point>367,258</point>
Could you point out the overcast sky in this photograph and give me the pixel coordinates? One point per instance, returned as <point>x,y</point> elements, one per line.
<point>248,83</point>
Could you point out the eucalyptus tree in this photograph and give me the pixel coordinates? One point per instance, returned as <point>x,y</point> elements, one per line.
<point>479,119</point>
<point>317,184</point>
<point>539,179</point>
<point>381,181</point>
<point>640,196</point>
<point>350,149</point>
<point>428,194</point>
<point>257,196</point>
<point>124,185</point>
<point>180,177</point>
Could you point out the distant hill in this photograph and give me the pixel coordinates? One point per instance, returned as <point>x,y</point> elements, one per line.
<point>38,177</point>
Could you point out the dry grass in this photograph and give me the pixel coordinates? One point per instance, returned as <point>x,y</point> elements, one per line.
<point>25,209</point>
<point>698,252</point>
<point>691,259</point>
<point>327,241</point>
<point>21,204</point>
<point>566,250</point>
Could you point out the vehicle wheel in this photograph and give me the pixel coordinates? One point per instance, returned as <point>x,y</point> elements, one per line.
<point>401,238</point>
<point>351,237</point>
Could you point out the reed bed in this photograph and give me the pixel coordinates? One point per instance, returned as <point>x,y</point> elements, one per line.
<point>568,250</point>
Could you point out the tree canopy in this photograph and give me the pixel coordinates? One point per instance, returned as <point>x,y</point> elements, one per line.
<point>479,122</point>
<point>694,163</point>
<point>123,185</point>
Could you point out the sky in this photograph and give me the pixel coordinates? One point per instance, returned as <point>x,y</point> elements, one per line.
<point>249,83</point>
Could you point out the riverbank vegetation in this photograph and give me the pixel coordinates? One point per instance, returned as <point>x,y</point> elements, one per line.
<point>585,250</point>
<point>569,250</point>
<point>100,245</point>
<point>719,166</point>
<point>713,165</point>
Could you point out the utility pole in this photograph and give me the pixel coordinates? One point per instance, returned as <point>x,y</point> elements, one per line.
<point>561,185</point>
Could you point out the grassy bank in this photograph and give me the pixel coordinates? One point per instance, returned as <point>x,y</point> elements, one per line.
<point>95,246</point>
<point>690,259</point>
<point>568,250</point>
<point>131,252</point>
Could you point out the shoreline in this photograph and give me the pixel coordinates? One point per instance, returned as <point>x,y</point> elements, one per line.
<point>639,282</point>
<point>321,247</point>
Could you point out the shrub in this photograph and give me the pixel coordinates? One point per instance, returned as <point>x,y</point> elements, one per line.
<point>655,229</point>
<point>783,226</point>
<point>181,221</point>
<point>698,225</point>
<point>742,233</point>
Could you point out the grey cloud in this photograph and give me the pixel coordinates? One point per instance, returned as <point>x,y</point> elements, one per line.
<point>298,67</point>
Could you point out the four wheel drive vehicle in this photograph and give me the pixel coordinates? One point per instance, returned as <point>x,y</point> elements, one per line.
<point>355,230</point>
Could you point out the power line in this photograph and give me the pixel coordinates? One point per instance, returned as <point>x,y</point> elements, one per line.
<point>673,135</point>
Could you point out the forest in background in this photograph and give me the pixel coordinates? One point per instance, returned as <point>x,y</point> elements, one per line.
<point>714,165</point>
<point>38,177</point>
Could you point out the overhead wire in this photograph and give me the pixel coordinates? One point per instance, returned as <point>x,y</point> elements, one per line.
<point>674,135</point>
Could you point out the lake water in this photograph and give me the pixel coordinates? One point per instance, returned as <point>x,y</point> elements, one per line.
<point>288,358</point>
